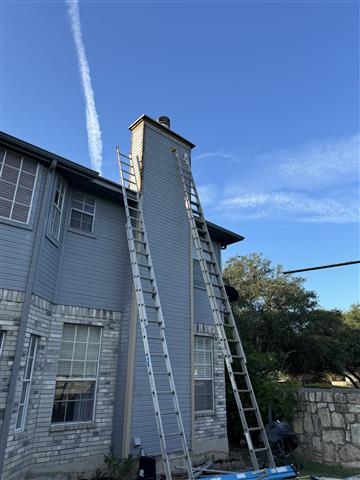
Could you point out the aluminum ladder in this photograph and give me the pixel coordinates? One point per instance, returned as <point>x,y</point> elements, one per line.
<point>231,345</point>
<point>152,321</point>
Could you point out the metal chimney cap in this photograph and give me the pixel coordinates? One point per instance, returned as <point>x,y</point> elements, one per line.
<point>164,121</point>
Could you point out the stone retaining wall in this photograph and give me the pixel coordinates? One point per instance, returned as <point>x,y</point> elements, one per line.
<point>328,425</point>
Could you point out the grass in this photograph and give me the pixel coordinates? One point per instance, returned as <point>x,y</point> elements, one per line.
<point>325,470</point>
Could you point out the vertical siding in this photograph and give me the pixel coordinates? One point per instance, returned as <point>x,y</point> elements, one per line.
<point>169,237</point>
<point>92,272</point>
<point>17,240</point>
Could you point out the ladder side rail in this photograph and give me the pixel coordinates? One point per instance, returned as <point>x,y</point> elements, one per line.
<point>216,311</point>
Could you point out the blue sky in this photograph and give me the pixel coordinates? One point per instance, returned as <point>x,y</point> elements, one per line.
<point>268,91</point>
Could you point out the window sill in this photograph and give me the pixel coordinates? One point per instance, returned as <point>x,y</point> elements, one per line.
<point>61,427</point>
<point>13,223</point>
<point>52,240</point>
<point>205,413</point>
<point>81,232</point>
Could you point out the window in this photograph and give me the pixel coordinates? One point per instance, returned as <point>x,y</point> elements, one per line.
<point>17,181</point>
<point>75,389</point>
<point>2,340</point>
<point>82,212</point>
<point>57,209</point>
<point>203,373</point>
<point>26,383</point>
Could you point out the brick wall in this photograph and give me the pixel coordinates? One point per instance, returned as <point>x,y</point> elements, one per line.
<point>210,429</point>
<point>46,446</point>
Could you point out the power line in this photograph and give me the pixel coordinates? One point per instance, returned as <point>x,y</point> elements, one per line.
<point>322,266</point>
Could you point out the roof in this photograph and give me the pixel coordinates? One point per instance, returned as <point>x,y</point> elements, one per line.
<point>89,179</point>
<point>160,127</point>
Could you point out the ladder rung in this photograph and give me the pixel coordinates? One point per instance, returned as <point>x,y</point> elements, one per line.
<point>139,241</point>
<point>137,229</point>
<point>150,292</point>
<point>239,373</point>
<point>249,409</point>
<point>244,390</point>
<point>133,208</point>
<point>174,434</point>
<point>177,457</point>
<point>155,307</point>
<point>146,278</point>
<point>155,338</point>
<point>165,392</point>
<point>238,356</point>
<point>164,355</point>
<point>162,373</point>
<point>262,449</point>
<point>144,265</point>
<point>169,412</point>
<point>155,322</point>
<point>255,429</point>
<point>228,325</point>
<point>139,252</point>
<point>126,180</point>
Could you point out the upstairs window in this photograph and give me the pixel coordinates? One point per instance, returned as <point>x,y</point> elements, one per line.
<point>82,212</point>
<point>203,364</point>
<point>17,182</point>
<point>76,380</point>
<point>57,209</point>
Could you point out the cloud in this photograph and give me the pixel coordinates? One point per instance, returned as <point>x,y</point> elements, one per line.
<point>218,154</point>
<point>208,194</point>
<point>92,119</point>
<point>293,206</point>
<point>316,182</point>
<point>325,162</point>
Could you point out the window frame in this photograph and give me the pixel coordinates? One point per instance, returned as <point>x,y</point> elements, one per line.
<point>203,378</point>
<point>9,219</point>
<point>79,380</point>
<point>28,383</point>
<point>2,340</point>
<point>93,215</point>
<point>54,207</point>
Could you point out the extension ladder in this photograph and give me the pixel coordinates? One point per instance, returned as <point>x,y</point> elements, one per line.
<point>165,400</point>
<point>232,349</point>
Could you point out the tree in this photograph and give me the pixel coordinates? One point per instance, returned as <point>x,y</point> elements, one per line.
<point>286,333</point>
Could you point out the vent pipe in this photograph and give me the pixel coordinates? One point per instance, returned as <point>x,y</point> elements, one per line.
<point>164,121</point>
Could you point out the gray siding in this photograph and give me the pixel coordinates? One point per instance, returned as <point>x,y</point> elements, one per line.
<point>50,258</point>
<point>169,236</point>
<point>202,310</point>
<point>17,240</point>
<point>93,265</point>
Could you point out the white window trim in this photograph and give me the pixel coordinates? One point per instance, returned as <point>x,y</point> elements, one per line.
<point>60,182</point>
<point>2,340</point>
<point>16,188</point>
<point>86,213</point>
<point>29,382</point>
<point>89,379</point>
<point>211,410</point>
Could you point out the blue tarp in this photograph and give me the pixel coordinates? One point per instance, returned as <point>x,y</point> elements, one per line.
<point>288,471</point>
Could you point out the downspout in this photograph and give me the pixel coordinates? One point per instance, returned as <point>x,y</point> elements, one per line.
<point>25,309</point>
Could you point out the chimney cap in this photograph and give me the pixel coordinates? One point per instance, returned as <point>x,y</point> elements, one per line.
<point>164,121</point>
<point>146,118</point>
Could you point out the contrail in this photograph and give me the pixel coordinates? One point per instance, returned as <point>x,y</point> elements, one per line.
<point>92,119</point>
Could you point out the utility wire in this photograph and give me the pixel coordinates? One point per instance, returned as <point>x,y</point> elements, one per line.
<point>322,266</point>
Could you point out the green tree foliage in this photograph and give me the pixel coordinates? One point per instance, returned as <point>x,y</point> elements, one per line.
<point>286,333</point>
